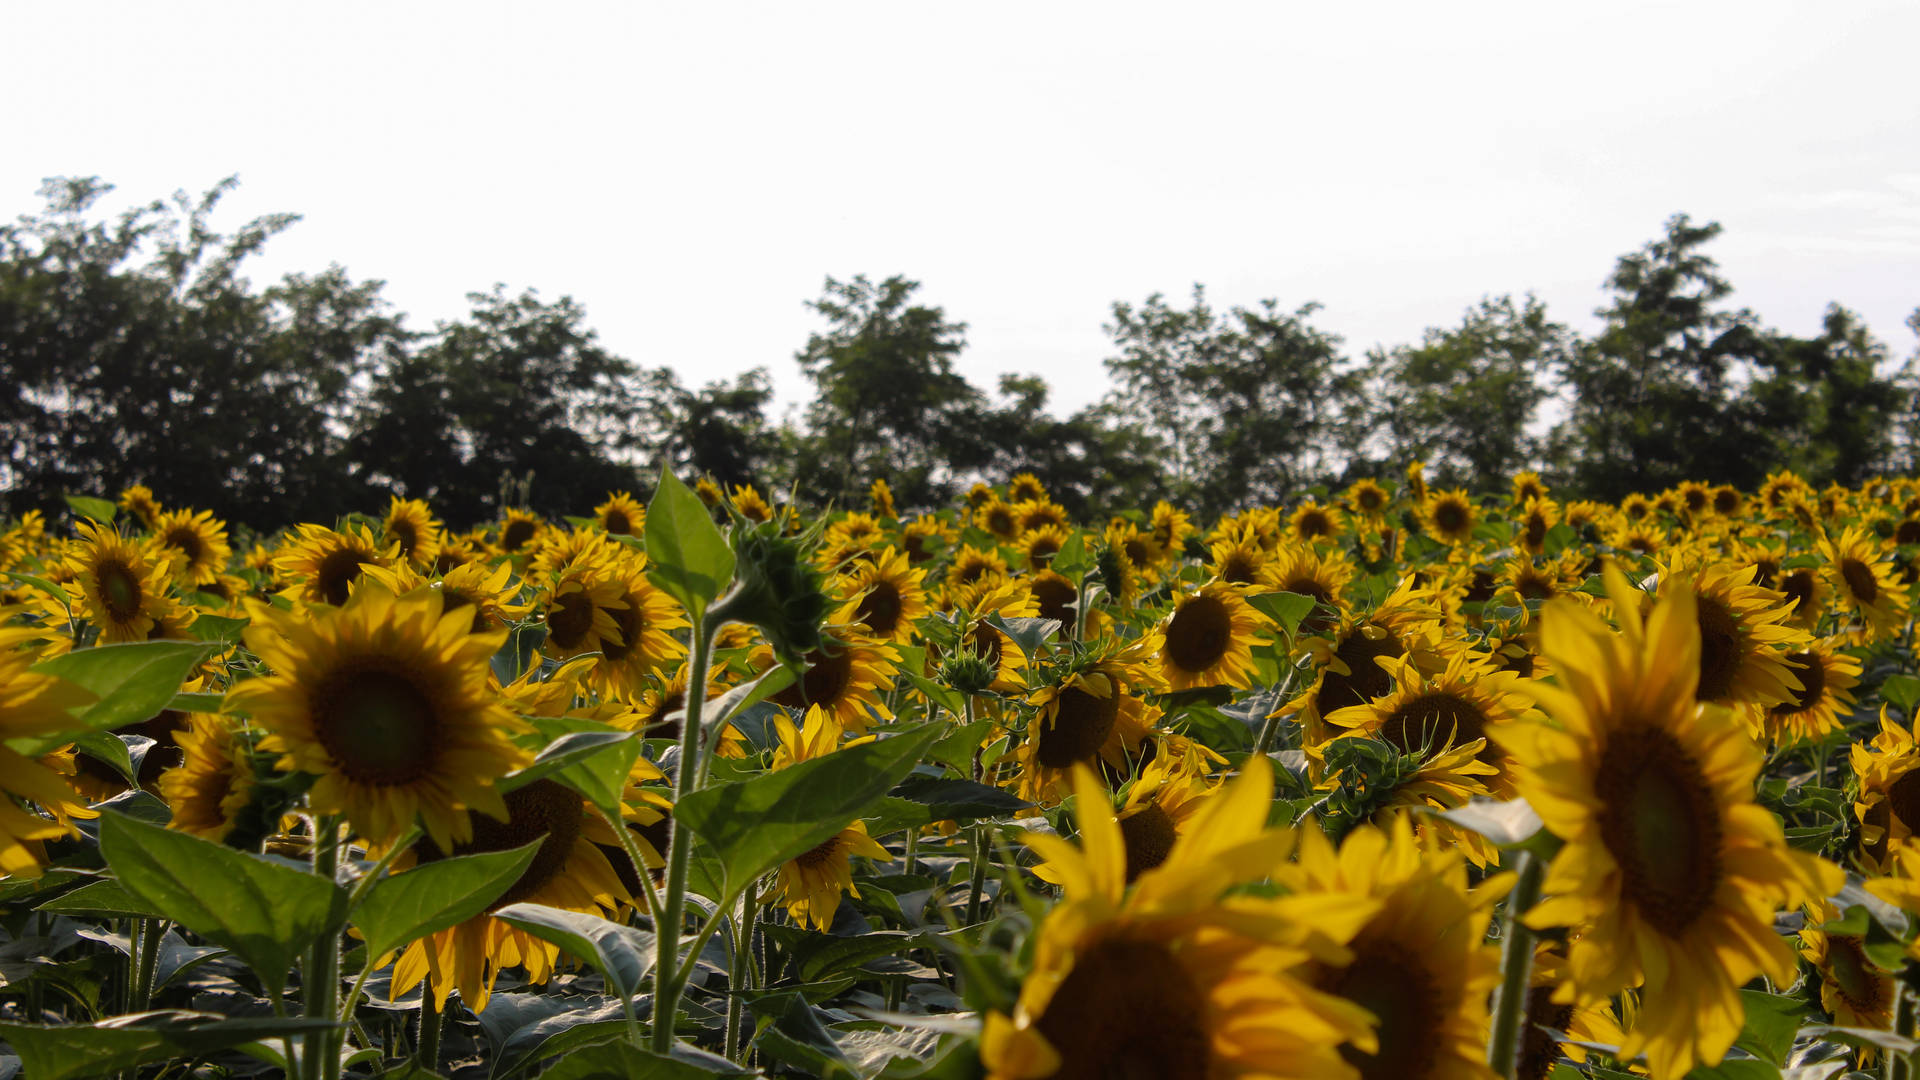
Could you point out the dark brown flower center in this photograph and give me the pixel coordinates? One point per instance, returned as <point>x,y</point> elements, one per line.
<point>880,608</point>
<point>119,588</point>
<point>616,522</point>
<point>1078,727</point>
<point>1865,989</point>
<point>1149,835</point>
<point>820,853</point>
<point>516,534</point>
<point>1313,525</point>
<point>185,540</point>
<point>1128,1011</point>
<point>1199,634</point>
<point>1539,1051</point>
<point>1720,648</point>
<point>1393,984</point>
<point>1240,568</point>
<point>1901,806</point>
<point>1435,720</point>
<point>1860,580</point>
<point>337,573</point>
<point>1056,596</point>
<point>570,620</point>
<point>825,683</point>
<point>377,725</point>
<point>403,532</point>
<point>1813,682</point>
<point>1450,517</point>
<point>1659,820</point>
<point>1366,680</point>
<point>1797,586</point>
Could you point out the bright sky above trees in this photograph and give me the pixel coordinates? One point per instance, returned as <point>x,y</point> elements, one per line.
<point>691,173</point>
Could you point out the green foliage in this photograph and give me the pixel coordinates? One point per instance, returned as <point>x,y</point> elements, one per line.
<point>132,682</point>
<point>81,1051</point>
<point>436,895</point>
<point>686,555</point>
<point>621,954</point>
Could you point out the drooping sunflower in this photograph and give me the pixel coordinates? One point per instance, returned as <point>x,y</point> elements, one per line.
<point>812,883</point>
<point>1452,516</point>
<point>569,871</point>
<point>1853,990</point>
<point>1208,639</point>
<point>847,677</point>
<point>31,704</point>
<point>124,591</point>
<point>1093,714</point>
<point>880,497</point>
<point>411,530</point>
<point>1827,677</point>
<point>1860,571</point>
<point>214,780</point>
<point>1419,963</point>
<point>621,515</point>
<point>323,565</point>
<point>195,545</point>
<point>645,618</point>
<point>1164,978</point>
<point>1670,873</point>
<point>885,595</point>
<point>1170,526</point>
<point>385,701</point>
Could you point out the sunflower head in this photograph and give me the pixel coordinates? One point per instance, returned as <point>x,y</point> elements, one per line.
<point>621,515</point>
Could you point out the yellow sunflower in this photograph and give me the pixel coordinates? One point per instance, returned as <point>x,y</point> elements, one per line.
<point>1056,597</point>
<point>1166,978</point>
<point>1528,485</point>
<point>138,500</point>
<point>1886,777</point>
<point>1539,1051</point>
<point>1313,522</point>
<point>1039,545</point>
<point>1008,600</point>
<point>1093,714</point>
<point>848,678</point>
<point>1346,671</point>
<point>1025,487</point>
<point>1169,524</point>
<point>1417,481</point>
<point>646,618</point>
<point>661,706</point>
<point>1670,873</point>
<point>972,566</point>
<point>751,504</point>
<point>579,607</point>
<point>880,496</point>
<point>1452,516</point>
<point>1744,638</point>
<point>1240,559</point>
<point>31,704</point>
<point>1155,812</point>
<point>997,518</point>
<point>1853,990</point>
<point>195,545</point>
<point>123,591</point>
<point>1420,963</point>
<point>886,595</point>
<point>812,882</point>
<point>1207,639</point>
<point>410,529</point>
<point>1536,520</point>
<point>519,531</point>
<point>621,515</point>
<point>569,871</point>
<point>214,781</point>
<point>323,565</point>
<point>1323,576</point>
<point>1451,708</point>
<point>1827,676</point>
<point>385,701</point>
<point>1860,571</point>
<point>1367,498</point>
<point>924,537</point>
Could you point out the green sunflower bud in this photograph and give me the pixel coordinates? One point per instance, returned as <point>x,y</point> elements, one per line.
<point>776,589</point>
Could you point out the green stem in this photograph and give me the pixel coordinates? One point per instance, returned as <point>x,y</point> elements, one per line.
<point>634,856</point>
<point>1270,731</point>
<point>666,981</point>
<point>979,882</point>
<point>1898,1066</point>
<point>427,1046</point>
<point>146,941</point>
<point>913,852</point>
<point>372,877</point>
<point>321,981</point>
<point>741,976</point>
<point>1516,970</point>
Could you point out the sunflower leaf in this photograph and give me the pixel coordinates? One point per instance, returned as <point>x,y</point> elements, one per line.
<point>622,954</point>
<point>105,899</point>
<point>622,1059</point>
<point>1901,691</point>
<point>686,554</point>
<point>744,697</point>
<point>100,510</point>
<point>1772,1021</point>
<point>593,761</point>
<point>266,913</point>
<point>430,898</point>
<point>133,682</point>
<point>755,825</point>
<point>1286,609</point>
<point>118,1043</point>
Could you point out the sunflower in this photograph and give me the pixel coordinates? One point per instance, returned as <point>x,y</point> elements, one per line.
<point>923,537</point>
<point>1006,600</point>
<point>1538,579</point>
<point>1696,498</point>
<point>1140,549</point>
<point>31,704</point>
<point>880,496</point>
<point>579,607</point>
<point>1886,775</point>
<point>1536,520</point>
<point>410,529</point>
<point>123,591</point>
<point>1583,514</point>
<point>323,565</point>
<point>1056,597</point>
<point>1743,639</point>
<point>519,531</point>
<point>1853,990</point>
<point>1807,590</point>
<point>885,596</point>
<point>1092,714</point>
<point>1240,559</point>
<point>1417,481</point>
<point>1827,676</point>
<point>1419,962</point>
<point>621,515</point>
<point>847,678</point>
<point>558,547</point>
<point>1860,573</point>
<point>1636,508</point>
<point>138,500</point>
<point>1346,671</point>
<point>1025,487</point>
<point>1454,707</point>
<point>1780,489</point>
<point>812,883</point>
<point>195,545</point>
<point>751,504</point>
<point>1727,501</point>
<point>645,618</point>
<point>1528,485</point>
<point>662,705</point>
<point>215,779</point>
<point>1170,526</point>
<point>569,871</point>
<point>1322,576</point>
<point>385,700</point>
<point>1643,539</point>
<point>980,494</point>
<point>1207,639</point>
<point>1041,544</point>
<point>1367,498</point>
<point>1167,979</point>
<point>1540,1051</point>
<point>972,566</point>
<point>1453,515</point>
<point>1155,812</point>
<point>1670,874</point>
<point>852,533</point>
<point>1312,522</point>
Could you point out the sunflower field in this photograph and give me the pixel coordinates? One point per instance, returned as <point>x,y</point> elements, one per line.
<point>1394,783</point>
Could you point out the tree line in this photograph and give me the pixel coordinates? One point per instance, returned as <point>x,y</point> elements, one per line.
<point>133,350</point>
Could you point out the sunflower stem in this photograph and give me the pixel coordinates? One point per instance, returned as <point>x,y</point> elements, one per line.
<point>322,977</point>
<point>979,882</point>
<point>666,968</point>
<point>1899,1067</point>
<point>146,941</point>
<point>740,976</point>
<point>426,1048</point>
<point>1270,730</point>
<point>1516,969</point>
<point>634,856</point>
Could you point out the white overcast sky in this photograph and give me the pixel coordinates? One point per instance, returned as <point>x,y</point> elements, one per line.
<point>692,172</point>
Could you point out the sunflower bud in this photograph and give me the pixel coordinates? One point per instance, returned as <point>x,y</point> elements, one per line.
<point>967,670</point>
<point>777,589</point>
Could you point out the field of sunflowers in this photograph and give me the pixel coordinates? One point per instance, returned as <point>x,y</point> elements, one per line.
<point>1395,783</point>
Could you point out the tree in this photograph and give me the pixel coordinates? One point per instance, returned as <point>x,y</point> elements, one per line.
<point>1822,408</point>
<point>1463,399</point>
<point>719,430</point>
<point>1246,407</point>
<point>1091,463</point>
<point>888,402</point>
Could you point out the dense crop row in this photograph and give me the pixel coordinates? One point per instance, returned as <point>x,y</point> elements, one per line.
<point>1393,783</point>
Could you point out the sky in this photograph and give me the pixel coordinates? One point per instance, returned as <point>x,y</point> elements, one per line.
<point>691,173</point>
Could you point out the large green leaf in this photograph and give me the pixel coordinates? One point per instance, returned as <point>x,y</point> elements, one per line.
<point>430,898</point>
<point>266,912</point>
<point>126,1042</point>
<point>102,899</point>
<point>755,825</point>
<point>686,555</point>
<point>588,757</point>
<point>624,1060</point>
<point>622,954</point>
<point>133,682</point>
<point>100,510</point>
<point>1772,1021</point>
<point>1286,609</point>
